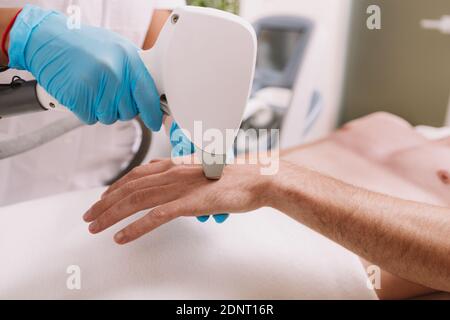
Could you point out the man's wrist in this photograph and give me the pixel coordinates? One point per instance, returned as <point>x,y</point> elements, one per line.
<point>274,189</point>
<point>287,188</point>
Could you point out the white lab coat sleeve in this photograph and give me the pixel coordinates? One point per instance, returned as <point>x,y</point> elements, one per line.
<point>169,4</point>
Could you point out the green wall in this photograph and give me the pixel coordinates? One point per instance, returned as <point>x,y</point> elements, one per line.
<point>402,68</point>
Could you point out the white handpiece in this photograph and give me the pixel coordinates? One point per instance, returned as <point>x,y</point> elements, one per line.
<point>203,64</point>
<point>47,101</point>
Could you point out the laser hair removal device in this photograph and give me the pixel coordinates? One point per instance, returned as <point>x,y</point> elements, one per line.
<point>203,66</point>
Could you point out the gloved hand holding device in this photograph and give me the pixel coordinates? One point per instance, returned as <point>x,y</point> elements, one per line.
<point>182,146</point>
<point>102,77</point>
<point>96,73</point>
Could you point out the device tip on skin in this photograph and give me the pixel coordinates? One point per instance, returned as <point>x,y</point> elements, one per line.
<point>213,165</point>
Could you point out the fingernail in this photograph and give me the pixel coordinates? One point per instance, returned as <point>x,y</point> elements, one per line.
<point>93,227</point>
<point>87,215</point>
<point>203,219</point>
<point>221,218</point>
<point>120,238</point>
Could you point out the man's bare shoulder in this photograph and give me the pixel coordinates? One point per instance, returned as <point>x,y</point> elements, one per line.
<point>384,153</point>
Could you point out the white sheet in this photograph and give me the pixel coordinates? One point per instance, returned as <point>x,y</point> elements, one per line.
<point>261,255</point>
<point>434,133</point>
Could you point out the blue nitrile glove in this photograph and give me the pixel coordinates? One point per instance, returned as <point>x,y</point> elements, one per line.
<point>182,146</point>
<point>96,73</point>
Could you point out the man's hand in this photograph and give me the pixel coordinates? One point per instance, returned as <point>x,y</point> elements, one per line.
<point>175,191</point>
<point>96,73</point>
<point>408,239</point>
<point>182,146</point>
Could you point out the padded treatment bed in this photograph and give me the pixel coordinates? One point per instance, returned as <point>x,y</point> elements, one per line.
<point>261,255</point>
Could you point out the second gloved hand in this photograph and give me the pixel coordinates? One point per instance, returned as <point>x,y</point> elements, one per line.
<point>96,73</point>
<point>182,146</point>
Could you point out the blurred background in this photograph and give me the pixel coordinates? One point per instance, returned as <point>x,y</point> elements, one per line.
<point>404,68</point>
<point>320,65</point>
<point>227,5</point>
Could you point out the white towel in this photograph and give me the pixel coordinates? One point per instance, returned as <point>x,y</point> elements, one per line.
<point>260,255</point>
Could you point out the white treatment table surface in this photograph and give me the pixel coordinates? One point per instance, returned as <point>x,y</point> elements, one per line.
<point>261,255</point>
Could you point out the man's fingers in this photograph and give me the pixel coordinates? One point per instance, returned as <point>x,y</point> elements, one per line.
<point>139,172</point>
<point>135,202</point>
<point>108,200</point>
<point>154,219</point>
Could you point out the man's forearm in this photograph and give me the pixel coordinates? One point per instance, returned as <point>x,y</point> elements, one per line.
<point>406,238</point>
<point>6,15</point>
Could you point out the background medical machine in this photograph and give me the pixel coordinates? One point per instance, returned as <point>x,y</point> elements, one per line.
<point>282,43</point>
<point>203,79</point>
<point>320,80</point>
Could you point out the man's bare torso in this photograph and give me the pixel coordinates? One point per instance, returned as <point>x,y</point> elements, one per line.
<point>383,153</point>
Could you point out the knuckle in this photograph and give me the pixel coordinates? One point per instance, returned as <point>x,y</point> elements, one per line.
<point>109,68</point>
<point>179,170</point>
<point>122,48</point>
<point>129,187</point>
<point>134,173</point>
<point>158,215</point>
<point>138,197</point>
<point>165,165</point>
<point>114,76</point>
<point>169,164</point>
